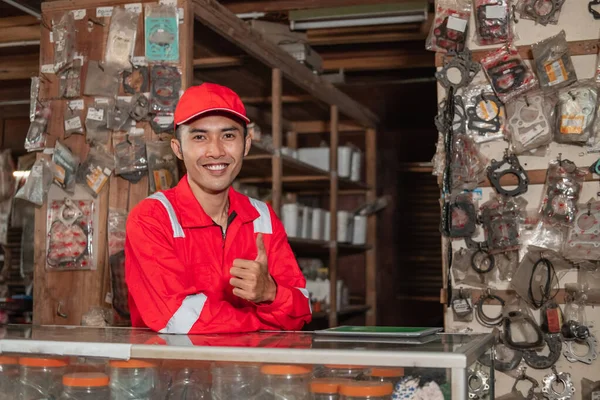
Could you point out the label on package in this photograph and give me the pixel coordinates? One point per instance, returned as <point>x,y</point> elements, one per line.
<point>571,124</point>
<point>101,100</point>
<point>457,24</point>
<point>95,114</point>
<point>495,12</point>
<point>168,2</point>
<point>96,179</point>
<point>78,14</point>
<point>136,131</point>
<point>47,69</point>
<point>73,124</point>
<point>556,72</point>
<point>102,12</point>
<point>124,98</point>
<point>139,61</point>
<point>51,37</point>
<point>180,14</point>
<point>461,306</point>
<point>164,119</point>
<point>59,174</point>
<point>107,171</point>
<point>162,179</point>
<point>76,104</point>
<point>134,8</point>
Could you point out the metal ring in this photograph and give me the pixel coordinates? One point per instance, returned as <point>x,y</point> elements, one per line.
<point>477,267</point>
<point>482,317</point>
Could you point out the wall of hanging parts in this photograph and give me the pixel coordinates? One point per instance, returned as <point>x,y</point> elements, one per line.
<point>523,258</point>
<point>101,120</point>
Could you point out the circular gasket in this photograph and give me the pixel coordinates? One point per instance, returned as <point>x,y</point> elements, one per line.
<point>514,169</point>
<point>567,383</point>
<point>482,318</point>
<point>537,361</point>
<point>477,392</point>
<point>533,10</point>
<point>587,358</point>
<point>477,262</point>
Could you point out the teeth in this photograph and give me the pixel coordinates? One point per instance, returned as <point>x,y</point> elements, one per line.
<point>216,167</point>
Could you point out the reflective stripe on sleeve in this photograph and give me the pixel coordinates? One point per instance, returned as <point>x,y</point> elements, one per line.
<point>187,314</point>
<point>177,229</point>
<point>263,223</point>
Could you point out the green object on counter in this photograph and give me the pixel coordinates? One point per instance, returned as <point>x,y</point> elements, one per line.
<point>446,391</point>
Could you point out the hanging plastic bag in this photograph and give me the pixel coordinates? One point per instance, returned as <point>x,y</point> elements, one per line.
<point>64,33</point>
<point>508,73</point>
<point>65,164</point>
<point>576,112</point>
<point>542,12</point>
<point>101,80</point>
<point>94,172</point>
<point>474,268</point>
<point>564,182</point>
<point>96,122</point>
<point>500,218</point>
<point>583,239</point>
<point>485,113</point>
<point>166,84</point>
<point>73,121</point>
<point>130,152</point>
<point>70,80</point>
<point>553,62</point>
<point>36,135</point>
<point>530,122</point>
<point>7,180</point>
<point>69,238</point>
<point>162,123</point>
<point>38,183</point>
<point>468,164</point>
<point>507,263</point>
<point>118,114</point>
<point>121,38</point>
<point>162,166</point>
<point>162,33</point>
<point>34,101</point>
<point>117,219</point>
<point>449,31</point>
<point>493,22</point>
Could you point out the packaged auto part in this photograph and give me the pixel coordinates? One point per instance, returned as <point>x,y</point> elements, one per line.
<point>543,12</point>
<point>94,172</point>
<point>36,135</point>
<point>38,183</point>
<point>500,218</point>
<point>64,34</point>
<point>545,236</point>
<point>69,80</point>
<point>507,263</point>
<point>505,358</point>
<point>7,180</point>
<point>473,268</point>
<point>96,122</point>
<point>461,219</point>
<point>137,80</point>
<point>462,305</point>
<point>165,87</point>
<point>118,114</point>
<point>551,318</point>
<point>564,182</point>
<point>481,314</point>
<point>493,22</point>
<point>65,164</point>
<point>485,113</point>
<point>536,279</point>
<point>449,31</point>
<point>468,164</point>
<point>101,80</point>
<point>162,166</point>
<point>590,390</point>
<point>553,62</point>
<point>520,329</point>
<point>553,390</point>
<point>162,123</point>
<point>117,219</point>
<point>73,121</point>
<point>575,113</point>
<point>459,122</point>
<point>69,238</point>
<point>130,152</point>
<point>121,38</point>
<point>583,239</point>
<point>507,72</point>
<point>162,33</point>
<point>457,63</point>
<point>509,165</point>
<point>34,102</point>
<point>530,121</point>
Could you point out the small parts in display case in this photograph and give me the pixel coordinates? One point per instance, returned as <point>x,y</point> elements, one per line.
<point>36,135</point>
<point>162,33</point>
<point>529,122</point>
<point>121,38</point>
<point>509,165</point>
<point>485,114</point>
<point>543,12</point>
<point>458,71</point>
<point>63,33</point>
<point>162,166</point>
<point>38,183</point>
<point>553,62</point>
<point>564,182</point>
<point>133,379</point>
<point>94,172</point>
<point>508,73</point>
<point>575,113</point>
<point>166,84</point>
<point>493,21</point>
<point>450,25</point>
<point>65,165</point>
<point>70,230</point>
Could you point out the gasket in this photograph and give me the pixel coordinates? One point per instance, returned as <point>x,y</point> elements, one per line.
<point>478,392</point>
<point>537,361</point>
<point>591,5</point>
<point>140,107</point>
<point>503,365</point>
<point>534,385</point>
<point>518,316</point>
<point>462,219</point>
<point>464,64</point>
<point>555,377</point>
<point>507,75</point>
<point>482,318</point>
<point>532,10</point>
<point>490,121</point>
<point>459,123</point>
<point>589,357</point>
<point>477,261</point>
<point>514,169</point>
<point>491,28</point>
<point>528,131</point>
<point>449,39</point>
<point>137,80</point>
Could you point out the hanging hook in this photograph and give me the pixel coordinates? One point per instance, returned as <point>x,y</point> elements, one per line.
<point>559,159</point>
<point>59,311</point>
<point>527,101</point>
<point>96,22</point>
<point>589,207</point>
<point>514,14</point>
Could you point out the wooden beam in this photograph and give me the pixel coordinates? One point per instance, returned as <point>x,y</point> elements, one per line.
<point>262,116</point>
<point>288,5</point>
<point>333,208</point>
<point>284,99</point>
<point>277,134</point>
<point>217,62</point>
<point>17,29</point>
<point>323,127</point>
<point>388,37</point>
<point>371,256</point>
<point>212,14</point>
<point>19,67</point>
<point>25,20</point>
<point>372,61</point>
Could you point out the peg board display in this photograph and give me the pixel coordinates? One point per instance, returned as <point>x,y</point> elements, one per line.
<point>582,35</point>
<point>63,297</point>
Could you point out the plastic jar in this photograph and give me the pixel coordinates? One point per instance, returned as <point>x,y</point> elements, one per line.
<point>326,388</point>
<point>40,378</point>
<point>133,380</point>
<point>235,381</point>
<point>185,380</point>
<point>391,375</point>
<point>362,390</point>
<point>344,371</point>
<point>85,386</point>
<point>285,382</point>
<point>9,377</point>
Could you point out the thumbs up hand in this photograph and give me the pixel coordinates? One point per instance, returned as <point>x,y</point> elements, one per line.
<point>251,279</point>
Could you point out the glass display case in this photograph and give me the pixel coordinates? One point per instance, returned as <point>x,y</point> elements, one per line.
<point>119,363</point>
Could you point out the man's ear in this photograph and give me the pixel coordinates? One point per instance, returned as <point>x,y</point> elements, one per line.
<point>176,147</point>
<point>248,144</point>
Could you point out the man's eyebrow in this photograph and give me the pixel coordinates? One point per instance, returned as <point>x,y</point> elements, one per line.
<point>198,130</point>
<point>230,129</point>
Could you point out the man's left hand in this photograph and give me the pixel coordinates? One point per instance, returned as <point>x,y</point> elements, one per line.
<point>251,280</point>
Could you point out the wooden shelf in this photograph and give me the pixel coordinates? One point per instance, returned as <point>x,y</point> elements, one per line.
<point>310,247</point>
<point>344,312</point>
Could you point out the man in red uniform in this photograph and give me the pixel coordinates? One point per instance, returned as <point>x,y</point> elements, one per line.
<point>201,257</point>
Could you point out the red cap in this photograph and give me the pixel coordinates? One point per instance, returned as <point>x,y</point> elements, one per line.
<point>198,100</point>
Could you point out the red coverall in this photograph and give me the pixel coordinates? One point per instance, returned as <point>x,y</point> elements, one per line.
<point>177,266</point>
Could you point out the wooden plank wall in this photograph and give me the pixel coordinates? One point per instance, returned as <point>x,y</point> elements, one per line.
<point>77,291</point>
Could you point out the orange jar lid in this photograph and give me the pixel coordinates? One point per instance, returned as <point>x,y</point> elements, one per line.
<point>386,372</point>
<point>285,370</point>
<point>366,389</point>
<point>43,362</point>
<point>86,379</point>
<point>132,364</point>
<point>6,360</point>
<point>327,386</point>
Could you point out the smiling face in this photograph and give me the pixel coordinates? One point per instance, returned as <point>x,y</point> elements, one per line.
<point>212,149</point>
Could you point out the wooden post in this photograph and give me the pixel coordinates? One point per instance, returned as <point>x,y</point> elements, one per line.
<point>276,111</point>
<point>371,256</point>
<point>333,205</point>
<point>292,143</point>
